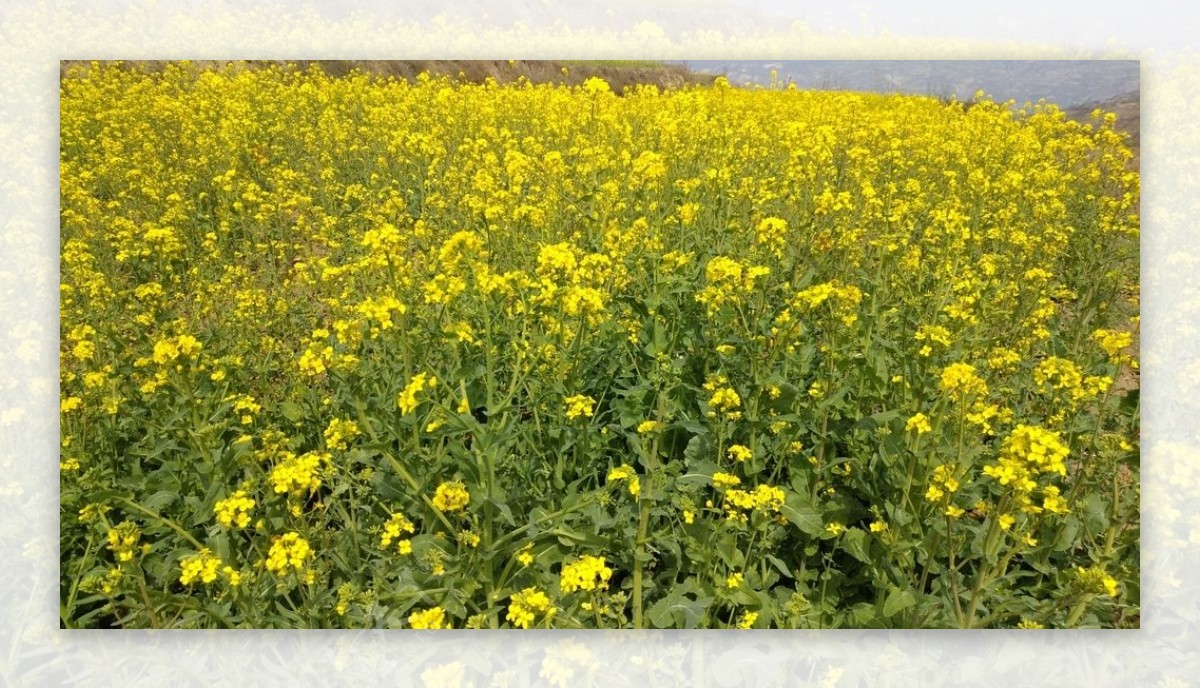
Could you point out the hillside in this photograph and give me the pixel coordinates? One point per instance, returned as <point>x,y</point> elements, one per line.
<point>618,73</point>
<point>1065,82</point>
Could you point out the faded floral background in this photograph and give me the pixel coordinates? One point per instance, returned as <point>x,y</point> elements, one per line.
<point>35,36</point>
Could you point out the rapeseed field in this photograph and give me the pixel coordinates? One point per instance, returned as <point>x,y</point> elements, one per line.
<point>364,352</point>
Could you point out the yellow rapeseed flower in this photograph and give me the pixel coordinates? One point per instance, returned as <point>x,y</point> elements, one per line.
<point>451,496</point>
<point>394,530</point>
<point>433,618</point>
<point>579,406</point>
<point>289,553</point>
<point>526,605</point>
<point>407,400</point>
<point>739,453</point>
<point>626,473</point>
<point>202,567</point>
<point>234,510</point>
<point>588,573</point>
<point>918,422</point>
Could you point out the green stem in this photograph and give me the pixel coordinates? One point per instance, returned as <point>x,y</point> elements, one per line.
<point>416,488</point>
<point>644,505</point>
<point>146,598</point>
<point>952,571</point>
<point>70,607</point>
<point>516,533</point>
<point>1078,610</point>
<point>639,549</point>
<point>163,520</point>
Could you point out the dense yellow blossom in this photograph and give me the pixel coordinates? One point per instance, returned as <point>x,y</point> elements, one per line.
<point>649,427</point>
<point>289,553</point>
<point>763,497</point>
<point>579,406</point>
<point>961,382</point>
<point>432,618</point>
<point>123,540</point>
<point>526,605</point>
<point>202,567</point>
<point>266,271</point>
<point>1113,341</point>
<point>626,473</point>
<point>588,573</point>
<point>234,509</point>
<point>339,432</point>
<point>724,400</point>
<point>451,496</point>
<point>723,480</point>
<point>739,453</point>
<point>300,474</point>
<point>919,423</point>
<point>394,530</point>
<point>407,401</point>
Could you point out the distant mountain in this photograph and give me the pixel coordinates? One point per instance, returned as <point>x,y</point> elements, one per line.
<point>1064,82</point>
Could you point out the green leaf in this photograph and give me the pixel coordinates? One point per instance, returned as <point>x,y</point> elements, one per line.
<point>1095,513</point>
<point>863,615</point>
<point>162,446</point>
<point>700,450</point>
<point>803,515</point>
<point>1066,537</point>
<point>898,600</point>
<point>781,566</point>
<point>291,411</point>
<point>874,421</point>
<point>1130,401</point>
<point>696,479</point>
<point>160,500</point>
<point>855,542</point>
<point>678,610</point>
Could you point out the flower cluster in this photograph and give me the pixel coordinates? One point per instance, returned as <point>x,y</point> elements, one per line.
<point>1027,452</point>
<point>764,497</point>
<point>650,426</point>
<point>526,605</point>
<point>1113,342</point>
<point>722,480</point>
<point>930,335</point>
<point>844,300</point>
<point>407,401</point>
<point>729,282</point>
<point>771,234</point>
<point>579,406</point>
<point>723,400</point>
<point>942,486</point>
<point>289,553</point>
<point>339,433</point>
<point>432,618</point>
<point>626,473</point>
<point>739,453</point>
<point>301,474</point>
<point>961,382</point>
<point>123,540</point>
<point>918,423</point>
<point>202,567</point>
<point>588,573</point>
<point>234,509</point>
<point>1095,580</point>
<point>451,496</point>
<point>394,530</point>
